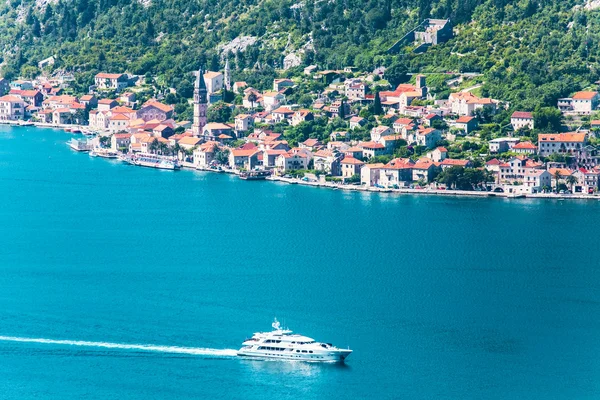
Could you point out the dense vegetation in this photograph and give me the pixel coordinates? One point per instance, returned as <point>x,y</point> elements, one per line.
<point>530,51</point>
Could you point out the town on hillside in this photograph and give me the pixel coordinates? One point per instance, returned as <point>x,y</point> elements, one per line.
<point>341,126</point>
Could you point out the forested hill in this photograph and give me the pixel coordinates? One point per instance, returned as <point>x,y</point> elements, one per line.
<point>531,51</point>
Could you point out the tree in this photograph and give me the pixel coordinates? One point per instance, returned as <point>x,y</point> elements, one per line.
<point>36,28</point>
<point>557,177</point>
<point>396,73</point>
<point>377,109</point>
<point>221,155</point>
<point>252,99</point>
<point>571,181</point>
<point>463,178</point>
<point>547,119</point>
<point>153,148</point>
<point>219,112</point>
<point>342,109</point>
<point>425,9</point>
<point>105,141</point>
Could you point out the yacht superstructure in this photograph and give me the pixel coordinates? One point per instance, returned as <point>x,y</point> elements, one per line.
<point>282,344</point>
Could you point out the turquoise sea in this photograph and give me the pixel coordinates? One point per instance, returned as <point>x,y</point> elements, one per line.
<point>439,297</point>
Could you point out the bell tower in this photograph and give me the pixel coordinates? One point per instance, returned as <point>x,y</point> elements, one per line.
<point>200,104</point>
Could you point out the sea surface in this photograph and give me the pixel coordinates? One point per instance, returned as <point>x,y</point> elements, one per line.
<point>120,282</point>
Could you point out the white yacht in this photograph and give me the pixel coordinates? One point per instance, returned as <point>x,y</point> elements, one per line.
<point>283,345</point>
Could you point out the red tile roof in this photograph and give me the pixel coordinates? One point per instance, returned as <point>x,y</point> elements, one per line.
<point>584,95</point>
<point>524,146</point>
<point>465,119</point>
<point>562,137</point>
<point>522,114</point>
<point>352,160</point>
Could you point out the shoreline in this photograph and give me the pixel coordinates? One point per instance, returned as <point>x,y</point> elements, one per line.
<point>359,188</point>
<point>407,191</point>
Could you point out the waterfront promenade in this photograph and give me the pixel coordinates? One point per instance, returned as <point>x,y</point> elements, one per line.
<point>351,187</point>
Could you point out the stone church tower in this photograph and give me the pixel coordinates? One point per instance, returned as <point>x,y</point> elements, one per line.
<point>227,75</point>
<point>200,105</point>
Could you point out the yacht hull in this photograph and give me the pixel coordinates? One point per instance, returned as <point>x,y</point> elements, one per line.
<point>331,356</point>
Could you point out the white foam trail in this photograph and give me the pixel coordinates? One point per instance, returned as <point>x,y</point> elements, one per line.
<point>123,346</point>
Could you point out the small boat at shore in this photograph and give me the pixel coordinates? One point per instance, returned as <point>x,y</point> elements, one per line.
<point>104,153</point>
<point>151,161</point>
<point>254,175</point>
<point>80,145</point>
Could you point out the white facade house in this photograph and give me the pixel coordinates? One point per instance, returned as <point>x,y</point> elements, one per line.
<point>521,119</point>
<point>243,122</point>
<point>566,143</point>
<point>11,108</point>
<point>585,102</point>
<point>111,81</point>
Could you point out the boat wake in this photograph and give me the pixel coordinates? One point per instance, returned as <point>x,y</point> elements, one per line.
<point>123,346</point>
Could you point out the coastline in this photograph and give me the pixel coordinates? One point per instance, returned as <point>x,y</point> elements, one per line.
<point>407,191</point>
<point>357,188</point>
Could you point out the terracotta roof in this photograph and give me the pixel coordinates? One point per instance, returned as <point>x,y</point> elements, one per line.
<point>11,99</point>
<point>562,137</point>
<point>522,114</point>
<point>424,163</point>
<point>283,110</point>
<point>122,110</point>
<point>403,121</point>
<point>493,161</point>
<point>525,146</point>
<point>324,153</point>
<point>159,105</point>
<point>375,166</point>
<point>216,125</point>
<point>64,99</point>
<point>119,117</point>
<point>584,95</point>
<point>442,149</point>
<point>400,163</point>
<point>275,152</point>
<point>452,162</point>
<point>191,141</point>
<point>563,171</point>
<point>426,132</point>
<point>352,161</point>
<point>27,93</point>
<point>243,153</point>
<point>104,75</point>
<point>106,101</point>
<point>464,119</point>
<point>161,128</point>
<point>311,142</point>
<point>372,145</point>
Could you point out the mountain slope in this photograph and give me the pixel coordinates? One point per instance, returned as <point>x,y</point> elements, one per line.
<point>531,52</point>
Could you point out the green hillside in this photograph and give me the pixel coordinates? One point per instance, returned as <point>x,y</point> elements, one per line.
<point>530,51</point>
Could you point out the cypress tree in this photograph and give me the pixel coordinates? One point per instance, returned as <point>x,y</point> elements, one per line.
<point>377,109</point>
